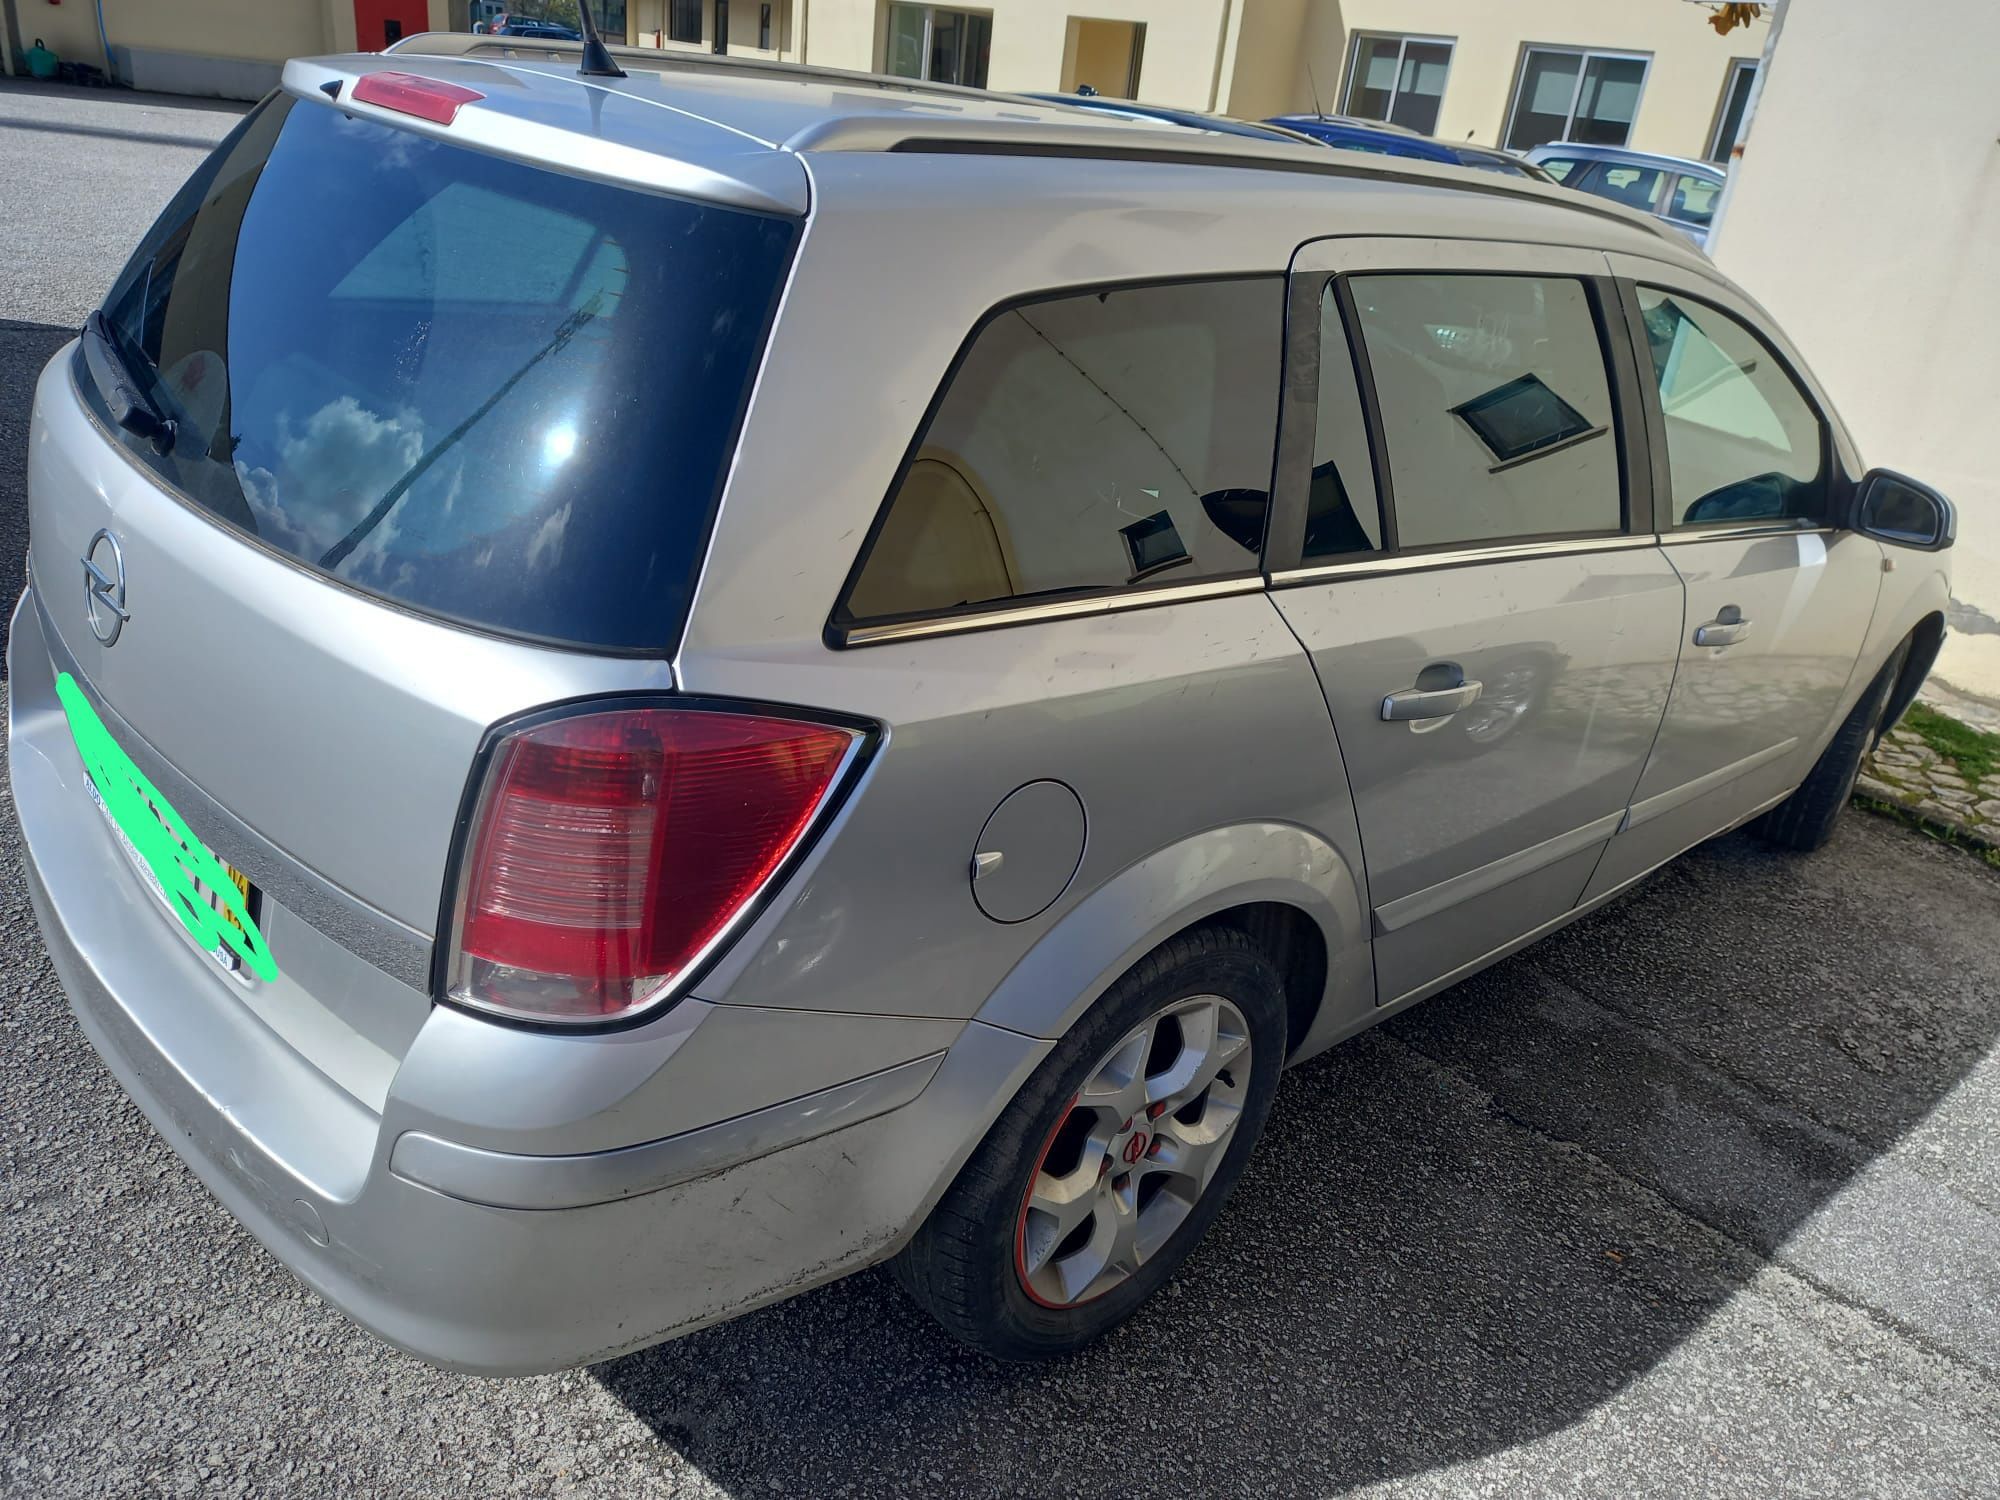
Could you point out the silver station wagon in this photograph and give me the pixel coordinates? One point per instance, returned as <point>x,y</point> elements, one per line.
<point>641,691</point>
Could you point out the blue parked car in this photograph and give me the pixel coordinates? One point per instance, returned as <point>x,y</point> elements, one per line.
<point>1367,135</point>
<point>1126,109</point>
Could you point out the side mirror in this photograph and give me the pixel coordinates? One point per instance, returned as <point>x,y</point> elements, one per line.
<point>1897,509</point>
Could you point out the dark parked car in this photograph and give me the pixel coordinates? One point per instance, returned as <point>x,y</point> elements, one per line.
<point>547,31</point>
<point>1126,109</point>
<point>1367,135</point>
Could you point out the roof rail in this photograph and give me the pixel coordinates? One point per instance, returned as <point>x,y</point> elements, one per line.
<point>1138,142</point>
<point>1092,136</point>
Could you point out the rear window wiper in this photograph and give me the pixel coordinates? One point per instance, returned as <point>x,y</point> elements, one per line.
<point>130,407</point>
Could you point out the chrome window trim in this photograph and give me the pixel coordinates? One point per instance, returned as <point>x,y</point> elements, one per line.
<point>1037,613</point>
<point>1682,536</point>
<point>1371,564</point>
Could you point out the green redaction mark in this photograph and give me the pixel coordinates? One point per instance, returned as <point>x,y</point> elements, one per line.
<point>171,851</point>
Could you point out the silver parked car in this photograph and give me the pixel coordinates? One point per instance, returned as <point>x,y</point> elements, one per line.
<point>1673,189</point>
<point>624,710</point>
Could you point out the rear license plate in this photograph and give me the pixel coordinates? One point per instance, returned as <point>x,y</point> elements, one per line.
<point>213,900</point>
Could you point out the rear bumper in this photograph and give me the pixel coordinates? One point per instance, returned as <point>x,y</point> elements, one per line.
<point>490,1261</point>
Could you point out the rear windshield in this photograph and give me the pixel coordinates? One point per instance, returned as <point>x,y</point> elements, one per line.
<point>481,389</point>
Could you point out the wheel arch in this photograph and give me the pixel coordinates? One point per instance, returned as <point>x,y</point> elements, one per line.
<point>1282,885</point>
<point>1926,639</point>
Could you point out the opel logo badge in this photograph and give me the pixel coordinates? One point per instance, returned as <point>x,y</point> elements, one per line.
<point>104,586</point>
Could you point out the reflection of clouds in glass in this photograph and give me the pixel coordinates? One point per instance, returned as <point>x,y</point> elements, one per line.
<point>329,475</point>
<point>548,538</point>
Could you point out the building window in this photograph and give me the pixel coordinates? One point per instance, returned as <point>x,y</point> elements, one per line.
<point>1399,79</point>
<point>684,21</point>
<point>764,27</point>
<point>943,46</point>
<point>1736,85</point>
<point>1588,97</point>
<point>610,18</point>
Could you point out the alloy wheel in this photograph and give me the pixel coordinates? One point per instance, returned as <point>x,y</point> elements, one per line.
<point>1134,1151</point>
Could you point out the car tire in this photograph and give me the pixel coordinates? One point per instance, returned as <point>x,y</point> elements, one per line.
<point>1805,820</point>
<point>969,1266</point>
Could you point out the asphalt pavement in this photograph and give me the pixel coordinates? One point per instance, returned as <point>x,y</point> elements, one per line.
<point>1698,1197</point>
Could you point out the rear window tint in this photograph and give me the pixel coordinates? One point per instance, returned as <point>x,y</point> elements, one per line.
<point>484,390</point>
<point>1086,444</point>
<point>1496,406</point>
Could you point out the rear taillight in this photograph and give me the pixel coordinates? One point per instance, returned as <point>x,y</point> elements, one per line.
<point>610,852</point>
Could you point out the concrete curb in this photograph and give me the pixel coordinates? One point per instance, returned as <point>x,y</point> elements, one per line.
<point>1924,813</point>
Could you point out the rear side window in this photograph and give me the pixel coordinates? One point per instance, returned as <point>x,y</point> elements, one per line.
<point>1495,406</point>
<point>1693,200</point>
<point>1635,187</point>
<point>1086,444</point>
<point>483,390</point>
<point>1743,443</point>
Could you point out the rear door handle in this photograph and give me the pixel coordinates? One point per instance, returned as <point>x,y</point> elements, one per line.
<point>1429,703</point>
<point>1726,629</point>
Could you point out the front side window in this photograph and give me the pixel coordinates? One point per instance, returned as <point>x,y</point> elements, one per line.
<point>1399,79</point>
<point>1495,406</point>
<point>1563,95</point>
<point>941,46</point>
<point>1743,443</point>
<point>1085,444</point>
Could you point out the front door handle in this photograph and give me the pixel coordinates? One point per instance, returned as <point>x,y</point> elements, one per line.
<point>1726,629</point>
<point>1413,704</point>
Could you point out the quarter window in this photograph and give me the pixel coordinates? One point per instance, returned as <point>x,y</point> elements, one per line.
<point>1743,443</point>
<point>1087,444</point>
<point>1399,79</point>
<point>1495,406</point>
<point>1591,97</point>
<point>1343,515</point>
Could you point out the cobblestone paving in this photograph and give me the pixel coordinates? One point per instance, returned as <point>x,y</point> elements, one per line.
<point>1909,773</point>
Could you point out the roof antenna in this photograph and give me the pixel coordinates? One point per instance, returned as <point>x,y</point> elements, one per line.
<point>596,62</point>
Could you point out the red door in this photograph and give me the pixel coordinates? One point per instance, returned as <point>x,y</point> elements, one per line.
<point>377,23</point>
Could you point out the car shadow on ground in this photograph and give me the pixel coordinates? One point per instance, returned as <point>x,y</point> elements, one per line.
<point>1461,1232</point>
<point>24,349</point>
